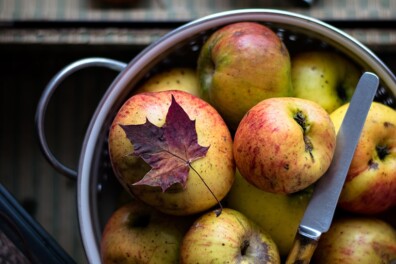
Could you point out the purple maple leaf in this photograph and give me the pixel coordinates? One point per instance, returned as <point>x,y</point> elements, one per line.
<point>169,149</point>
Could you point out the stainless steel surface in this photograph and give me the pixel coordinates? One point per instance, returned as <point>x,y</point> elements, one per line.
<point>46,97</point>
<point>320,211</point>
<point>322,206</point>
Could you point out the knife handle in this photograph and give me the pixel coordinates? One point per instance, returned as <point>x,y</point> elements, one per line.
<point>302,250</point>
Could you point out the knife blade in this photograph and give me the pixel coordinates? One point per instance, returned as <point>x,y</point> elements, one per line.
<point>321,208</point>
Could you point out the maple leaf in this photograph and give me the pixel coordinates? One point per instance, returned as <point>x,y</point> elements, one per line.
<point>169,149</point>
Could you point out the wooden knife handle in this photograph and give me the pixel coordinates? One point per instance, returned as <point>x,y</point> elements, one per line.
<point>302,250</point>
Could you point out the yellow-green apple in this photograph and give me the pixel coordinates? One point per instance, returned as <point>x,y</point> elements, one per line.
<point>240,65</point>
<point>283,145</point>
<point>277,214</point>
<point>370,186</point>
<point>325,77</point>
<point>357,240</point>
<point>217,167</point>
<point>230,237</point>
<point>137,233</point>
<point>177,78</point>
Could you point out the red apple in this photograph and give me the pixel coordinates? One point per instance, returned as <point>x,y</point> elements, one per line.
<point>216,168</point>
<point>370,186</point>
<point>283,145</point>
<point>357,240</point>
<point>137,233</point>
<point>240,65</point>
<point>230,237</point>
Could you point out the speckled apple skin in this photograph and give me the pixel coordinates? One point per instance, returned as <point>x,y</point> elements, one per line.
<point>177,78</point>
<point>240,65</point>
<point>137,233</point>
<point>269,147</point>
<point>278,214</point>
<point>357,240</point>
<point>220,239</point>
<point>319,75</point>
<point>370,186</point>
<point>217,168</point>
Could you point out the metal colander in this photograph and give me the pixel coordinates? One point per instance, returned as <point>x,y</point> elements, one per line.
<point>96,183</point>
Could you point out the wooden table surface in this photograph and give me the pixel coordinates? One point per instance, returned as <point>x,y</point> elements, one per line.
<point>94,22</point>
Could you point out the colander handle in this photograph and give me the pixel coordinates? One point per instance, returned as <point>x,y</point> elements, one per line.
<point>46,96</point>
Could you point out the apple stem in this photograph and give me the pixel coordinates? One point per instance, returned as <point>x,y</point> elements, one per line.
<point>218,211</point>
<point>382,151</point>
<point>300,118</point>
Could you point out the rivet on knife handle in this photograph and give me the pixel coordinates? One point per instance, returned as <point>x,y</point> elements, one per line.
<point>320,211</point>
<point>303,247</point>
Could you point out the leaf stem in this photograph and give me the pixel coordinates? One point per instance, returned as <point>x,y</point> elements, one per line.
<point>218,212</point>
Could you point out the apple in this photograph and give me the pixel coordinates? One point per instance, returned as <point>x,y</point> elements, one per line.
<point>176,78</point>
<point>277,214</point>
<point>240,65</point>
<point>357,240</point>
<point>370,186</point>
<point>283,145</point>
<point>325,77</point>
<point>230,237</point>
<point>137,233</point>
<point>217,168</point>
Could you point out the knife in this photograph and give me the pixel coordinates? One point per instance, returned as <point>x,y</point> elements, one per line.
<point>320,210</point>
